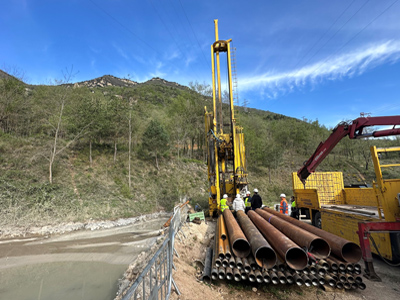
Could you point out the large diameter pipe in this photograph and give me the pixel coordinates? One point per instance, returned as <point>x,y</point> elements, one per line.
<point>239,244</point>
<point>263,253</point>
<point>341,247</point>
<point>314,244</point>
<point>294,256</point>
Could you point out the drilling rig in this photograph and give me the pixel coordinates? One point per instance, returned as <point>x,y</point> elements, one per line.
<point>226,161</point>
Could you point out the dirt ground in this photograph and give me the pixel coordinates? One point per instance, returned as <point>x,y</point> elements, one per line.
<point>192,250</point>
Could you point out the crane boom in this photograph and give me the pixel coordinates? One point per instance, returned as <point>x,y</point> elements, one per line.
<point>354,130</point>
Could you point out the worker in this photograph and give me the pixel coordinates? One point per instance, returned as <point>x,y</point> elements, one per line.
<point>247,202</point>
<point>238,204</point>
<point>284,206</point>
<point>256,201</point>
<point>295,212</point>
<point>222,204</point>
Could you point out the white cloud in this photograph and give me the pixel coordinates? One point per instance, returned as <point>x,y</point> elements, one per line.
<point>121,51</point>
<point>333,68</point>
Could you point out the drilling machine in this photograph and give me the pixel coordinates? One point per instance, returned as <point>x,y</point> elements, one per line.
<point>224,141</point>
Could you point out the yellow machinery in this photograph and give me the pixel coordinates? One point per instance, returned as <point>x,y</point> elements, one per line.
<point>338,210</point>
<point>225,142</point>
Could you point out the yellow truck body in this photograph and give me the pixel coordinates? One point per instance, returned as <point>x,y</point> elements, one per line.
<point>337,209</point>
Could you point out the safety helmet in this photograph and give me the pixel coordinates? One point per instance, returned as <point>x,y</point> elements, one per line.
<point>282,196</point>
<point>225,196</point>
<point>248,193</point>
<point>255,191</point>
<point>237,195</point>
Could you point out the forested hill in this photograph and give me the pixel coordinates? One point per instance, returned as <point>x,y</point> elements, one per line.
<point>110,147</point>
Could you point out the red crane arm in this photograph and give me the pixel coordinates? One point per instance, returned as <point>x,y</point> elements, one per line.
<point>353,130</point>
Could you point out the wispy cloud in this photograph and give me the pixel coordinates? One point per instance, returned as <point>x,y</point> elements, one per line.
<point>121,51</point>
<point>273,84</point>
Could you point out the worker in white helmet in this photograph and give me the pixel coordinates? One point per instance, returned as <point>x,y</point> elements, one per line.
<point>284,205</point>
<point>223,203</point>
<point>238,204</point>
<point>247,202</point>
<point>256,201</point>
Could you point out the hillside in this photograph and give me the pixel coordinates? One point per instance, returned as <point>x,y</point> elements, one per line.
<point>110,147</point>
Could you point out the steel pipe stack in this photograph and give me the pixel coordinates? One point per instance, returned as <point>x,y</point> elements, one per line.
<point>256,240</point>
<point>239,244</point>
<point>294,256</point>
<point>342,248</point>
<point>315,245</point>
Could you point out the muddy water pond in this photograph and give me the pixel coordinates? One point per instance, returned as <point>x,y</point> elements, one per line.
<point>79,265</point>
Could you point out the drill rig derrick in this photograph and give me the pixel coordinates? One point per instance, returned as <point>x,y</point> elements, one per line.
<point>225,142</point>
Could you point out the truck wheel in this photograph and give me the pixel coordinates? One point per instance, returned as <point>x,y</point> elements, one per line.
<point>317,220</point>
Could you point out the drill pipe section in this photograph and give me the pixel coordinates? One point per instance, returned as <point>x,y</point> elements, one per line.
<point>262,250</point>
<point>315,245</point>
<point>222,230</point>
<point>239,244</point>
<point>341,247</point>
<point>295,257</point>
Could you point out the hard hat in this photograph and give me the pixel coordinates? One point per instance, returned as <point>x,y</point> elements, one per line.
<point>237,195</point>
<point>282,196</point>
<point>255,191</point>
<point>225,196</point>
<point>248,193</point>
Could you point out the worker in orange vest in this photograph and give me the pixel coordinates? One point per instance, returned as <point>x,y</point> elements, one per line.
<point>284,205</point>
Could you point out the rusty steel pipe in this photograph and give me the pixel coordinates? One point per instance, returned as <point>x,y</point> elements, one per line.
<point>239,244</point>
<point>221,249</point>
<point>289,277</point>
<point>227,249</point>
<point>244,275</point>
<point>332,264</point>
<point>239,263</point>
<point>225,263</point>
<point>214,274</point>
<point>314,280</point>
<point>263,254</point>
<point>229,273</point>
<point>221,273</point>
<point>259,276</point>
<point>232,263</point>
<point>236,274</point>
<point>330,280</point>
<point>294,256</point>
<point>222,230</point>
<point>321,270</point>
<point>281,277</point>
<point>306,280</point>
<point>324,264</point>
<point>321,279</point>
<point>274,277</point>
<point>313,243</point>
<point>267,278</point>
<point>348,251</point>
<point>252,262</point>
<point>361,286</point>
<point>298,280</point>
<point>246,265</point>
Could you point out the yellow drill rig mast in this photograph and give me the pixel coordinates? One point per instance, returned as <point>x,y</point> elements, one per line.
<point>225,142</point>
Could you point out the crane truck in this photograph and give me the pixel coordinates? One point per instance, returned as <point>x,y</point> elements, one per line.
<point>322,197</point>
<point>224,138</point>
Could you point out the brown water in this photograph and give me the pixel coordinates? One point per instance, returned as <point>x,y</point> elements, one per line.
<point>79,265</point>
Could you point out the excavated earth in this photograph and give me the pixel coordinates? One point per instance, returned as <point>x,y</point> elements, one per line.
<point>192,251</point>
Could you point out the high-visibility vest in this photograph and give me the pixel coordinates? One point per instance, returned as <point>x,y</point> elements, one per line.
<point>284,210</point>
<point>247,203</point>
<point>223,204</point>
<point>294,204</point>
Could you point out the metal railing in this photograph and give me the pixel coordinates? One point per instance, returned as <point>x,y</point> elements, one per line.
<point>155,281</point>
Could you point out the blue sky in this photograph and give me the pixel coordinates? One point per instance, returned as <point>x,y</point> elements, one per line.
<point>325,60</point>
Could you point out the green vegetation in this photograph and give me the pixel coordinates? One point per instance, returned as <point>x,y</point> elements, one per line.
<point>74,153</point>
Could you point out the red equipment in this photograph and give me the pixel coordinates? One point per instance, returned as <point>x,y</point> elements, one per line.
<point>354,130</point>
<point>364,229</point>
